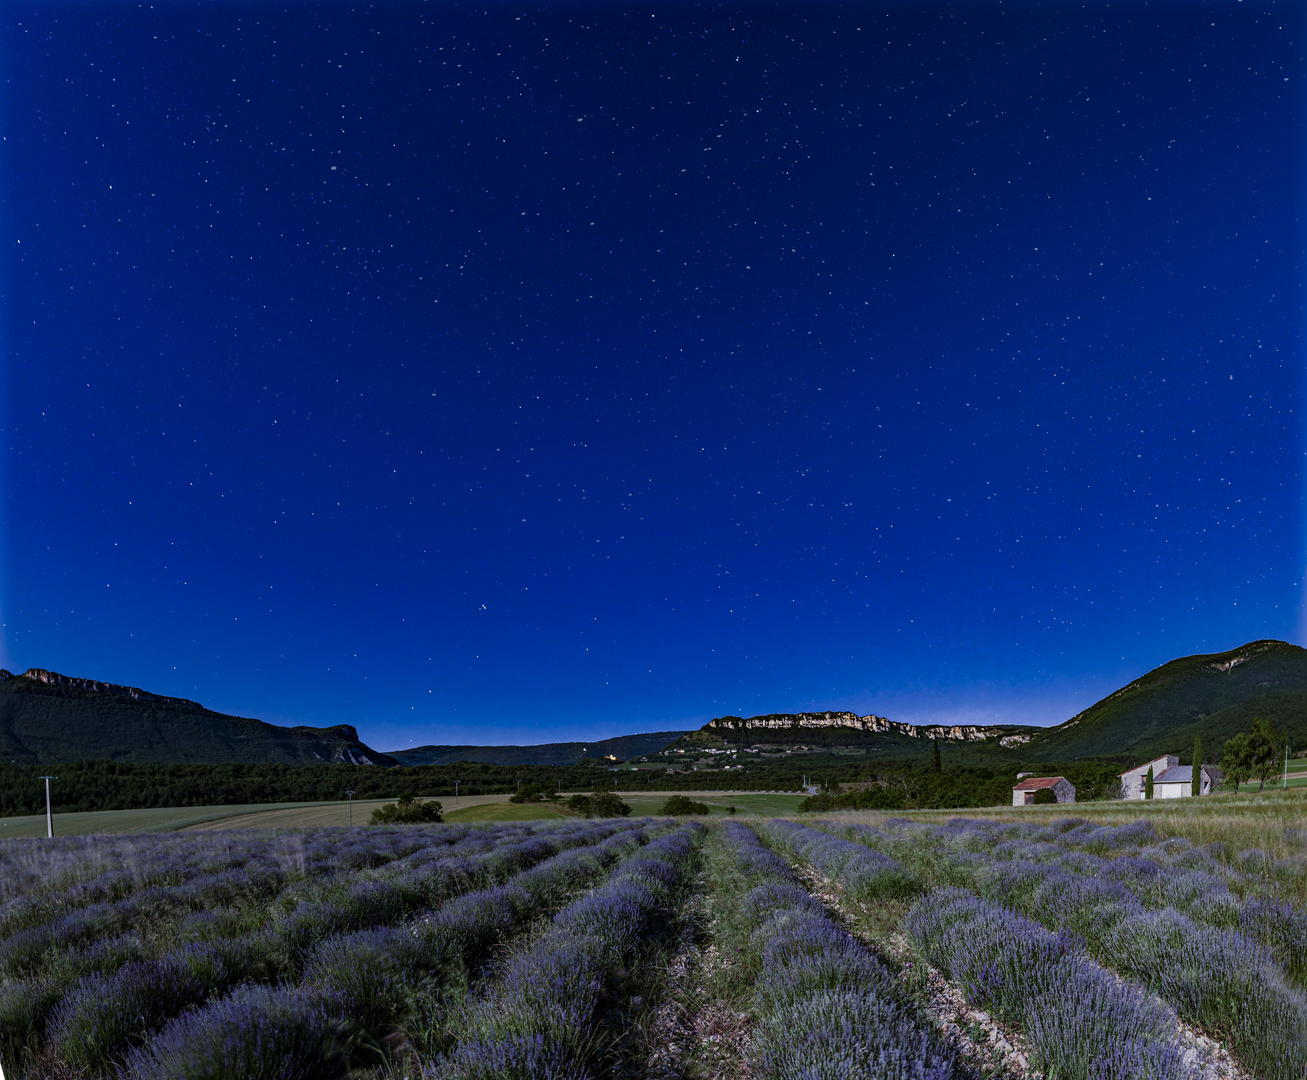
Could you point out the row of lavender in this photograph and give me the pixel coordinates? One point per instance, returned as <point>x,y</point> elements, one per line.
<point>53,939</point>
<point>1080,1020</point>
<point>73,873</point>
<point>824,1006</point>
<point>1207,884</point>
<point>1177,942</point>
<point>347,950</point>
<point>561,1006</point>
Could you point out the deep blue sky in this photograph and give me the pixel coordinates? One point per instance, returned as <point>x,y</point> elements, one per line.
<point>517,374</point>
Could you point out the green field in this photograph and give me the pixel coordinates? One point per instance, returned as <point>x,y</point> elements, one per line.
<point>761,803</point>
<point>504,811</point>
<point>208,818</point>
<point>155,819</point>
<point>469,808</point>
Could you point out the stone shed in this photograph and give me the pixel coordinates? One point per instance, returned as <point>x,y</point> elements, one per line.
<point>1024,793</point>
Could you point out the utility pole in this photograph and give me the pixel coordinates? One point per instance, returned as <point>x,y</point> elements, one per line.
<point>49,821</point>
<point>351,806</point>
<point>456,783</point>
<point>1285,785</point>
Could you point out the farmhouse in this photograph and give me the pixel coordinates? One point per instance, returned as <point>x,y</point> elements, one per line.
<point>1024,793</point>
<point>1177,782</point>
<point>1171,780</point>
<point>1133,782</point>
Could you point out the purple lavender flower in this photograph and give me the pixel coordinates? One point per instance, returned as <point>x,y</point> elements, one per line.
<point>257,1033</point>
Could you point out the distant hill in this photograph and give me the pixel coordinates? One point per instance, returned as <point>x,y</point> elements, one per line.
<point>621,748</point>
<point>47,718</point>
<point>1214,695</point>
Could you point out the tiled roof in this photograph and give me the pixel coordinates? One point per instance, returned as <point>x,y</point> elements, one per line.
<point>1037,782</point>
<point>1176,774</point>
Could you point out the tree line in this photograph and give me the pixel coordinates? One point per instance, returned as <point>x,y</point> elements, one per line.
<point>933,788</point>
<point>113,785</point>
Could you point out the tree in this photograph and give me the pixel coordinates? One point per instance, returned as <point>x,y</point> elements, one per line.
<point>1268,746</point>
<point>527,793</point>
<point>1148,783</point>
<point>935,765</point>
<point>408,811</point>
<point>679,805</point>
<point>1198,767</point>
<point>1238,758</point>
<point>1044,796</point>
<point>606,804</point>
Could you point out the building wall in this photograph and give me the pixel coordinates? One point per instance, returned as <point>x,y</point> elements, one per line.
<point>1173,791</point>
<point>1065,791</point>
<point>1134,783</point>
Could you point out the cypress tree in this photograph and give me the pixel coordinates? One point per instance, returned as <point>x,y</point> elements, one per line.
<point>1198,766</point>
<point>1148,784</point>
<point>935,764</point>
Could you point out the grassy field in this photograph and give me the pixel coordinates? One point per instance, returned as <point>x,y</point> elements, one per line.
<point>209,818</point>
<point>761,803</point>
<point>317,814</point>
<point>155,819</point>
<point>504,811</point>
<point>1268,821</point>
<point>1242,821</point>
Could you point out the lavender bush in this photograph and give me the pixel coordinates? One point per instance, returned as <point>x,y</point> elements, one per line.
<point>256,1033</point>
<point>826,1009</point>
<point>865,873</point>
<point>1081,1020</point>
<point>542,1021</point>
<point>1219,978</point>
<point>322,906</point>
<point>105,1014</point>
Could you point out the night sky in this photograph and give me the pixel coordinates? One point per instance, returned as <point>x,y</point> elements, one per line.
<point>513,374</point>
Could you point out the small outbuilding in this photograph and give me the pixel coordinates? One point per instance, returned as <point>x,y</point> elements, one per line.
<point>1177,782</point>
<point>1024,793</point>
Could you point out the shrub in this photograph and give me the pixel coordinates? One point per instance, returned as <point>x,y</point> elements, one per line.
<point>1045,797</point>
<point>408,811</point>
<point>679,806</point>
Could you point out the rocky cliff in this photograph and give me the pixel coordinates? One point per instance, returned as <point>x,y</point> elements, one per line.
<point>869,724</point>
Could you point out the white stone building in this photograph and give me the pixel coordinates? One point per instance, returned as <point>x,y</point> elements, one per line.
<point>1177,782</point>
<point>1133,782</point>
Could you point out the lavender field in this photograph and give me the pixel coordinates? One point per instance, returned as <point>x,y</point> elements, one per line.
<point>575,949</point>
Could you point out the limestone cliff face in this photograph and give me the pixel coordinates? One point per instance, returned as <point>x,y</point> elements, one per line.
<point>799,721</point>
<point>53,678</point>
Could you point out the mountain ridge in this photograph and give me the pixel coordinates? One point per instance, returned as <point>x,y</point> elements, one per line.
<point>1212,695</point>
<point>617,748</point>
<point>46,717</point>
